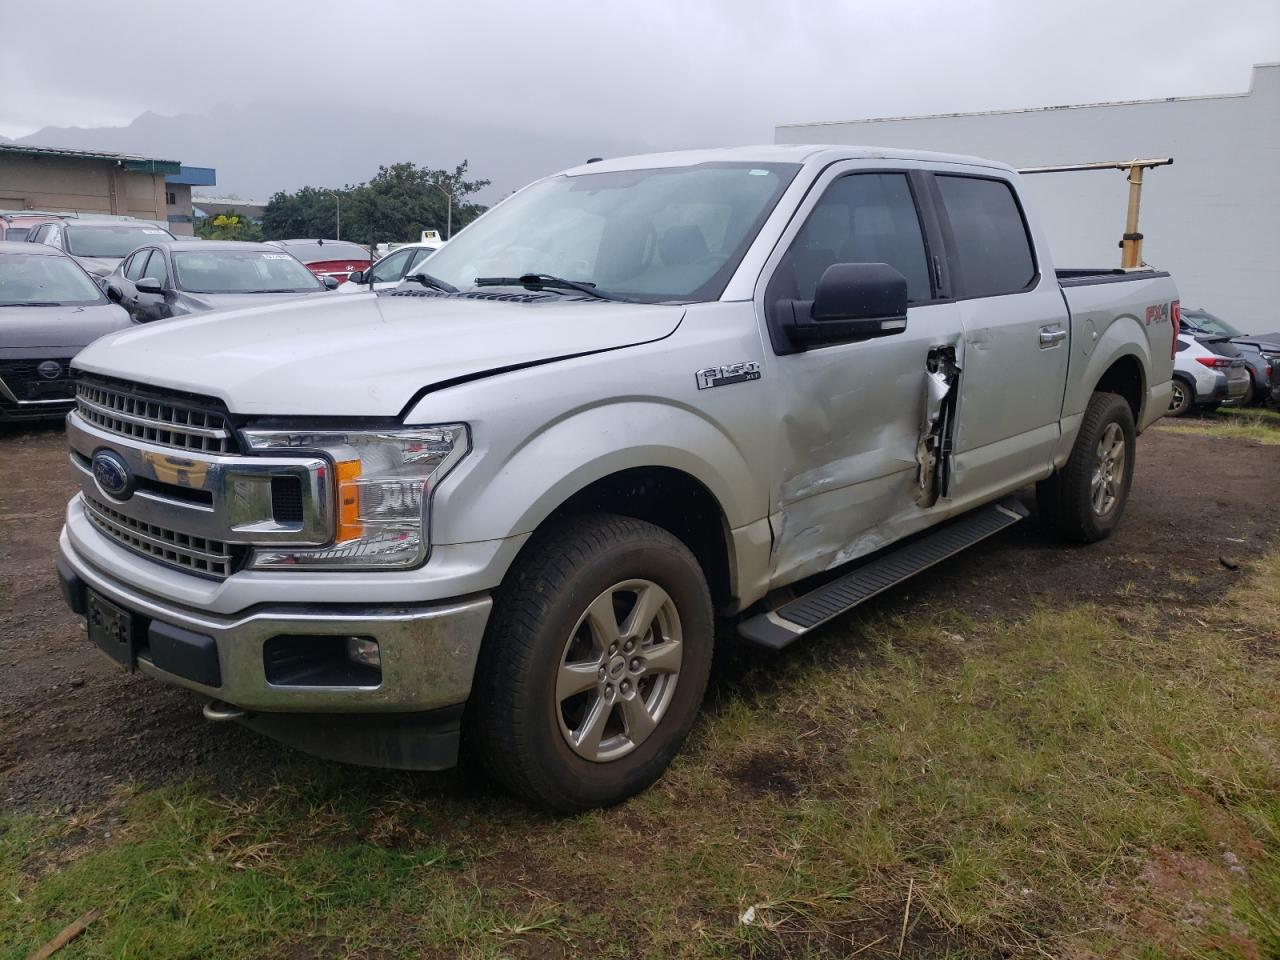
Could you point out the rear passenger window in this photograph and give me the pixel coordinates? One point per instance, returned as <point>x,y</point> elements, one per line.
<point>862,218</point>
<point>993,249</point>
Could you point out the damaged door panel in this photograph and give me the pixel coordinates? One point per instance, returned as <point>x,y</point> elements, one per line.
<point>937,426</point>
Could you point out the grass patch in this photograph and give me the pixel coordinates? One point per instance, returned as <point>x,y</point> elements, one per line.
<point>1247,423</point>
<point>1070,784</point>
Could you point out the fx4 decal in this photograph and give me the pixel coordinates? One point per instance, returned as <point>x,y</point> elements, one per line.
<point>1157,313</point>
<point>728,373</point>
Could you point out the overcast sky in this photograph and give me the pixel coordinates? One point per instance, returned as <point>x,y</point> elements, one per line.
<point>680,73</point>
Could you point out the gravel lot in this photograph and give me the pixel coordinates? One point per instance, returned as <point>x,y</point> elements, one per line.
<point>73,727</point>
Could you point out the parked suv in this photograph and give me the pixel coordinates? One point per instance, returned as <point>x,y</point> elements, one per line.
<point>1260,351</point>
<point>1208,372</point>
<point>760,385</point>
<point>98,245</point>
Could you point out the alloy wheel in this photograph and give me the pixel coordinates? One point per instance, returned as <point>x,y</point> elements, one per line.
<point>1107,483</point>
<point>618,671</point>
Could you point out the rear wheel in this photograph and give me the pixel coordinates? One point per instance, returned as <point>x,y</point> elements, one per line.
<point>1085,499</point>
<point>595,663</point>
<point>1183,397</point>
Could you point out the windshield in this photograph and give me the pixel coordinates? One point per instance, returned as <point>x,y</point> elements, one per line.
<point>1207,321</point>
<point>110,241</point>
<point>35,279</point>
<point>242,271</point>
<point>649,235</point>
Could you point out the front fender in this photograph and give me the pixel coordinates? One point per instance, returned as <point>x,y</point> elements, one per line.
<point>496,500</point>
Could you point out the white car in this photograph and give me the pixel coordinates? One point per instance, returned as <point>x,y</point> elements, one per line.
<point>391,269</point>
<point>1207,372</point>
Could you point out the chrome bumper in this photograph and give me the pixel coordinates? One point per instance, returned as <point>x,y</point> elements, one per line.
<point>428,653</point>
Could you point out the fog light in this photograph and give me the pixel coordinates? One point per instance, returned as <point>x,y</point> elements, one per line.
<point>364,651</point>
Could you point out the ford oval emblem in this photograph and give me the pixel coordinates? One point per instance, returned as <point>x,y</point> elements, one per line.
<point>112,475</point>
<point>50,369</point>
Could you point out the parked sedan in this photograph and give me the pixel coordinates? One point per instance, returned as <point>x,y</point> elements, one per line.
<point>391,269</point>
<point>49,309</point>
<point>1208,371</point>
<point>1261,351</point>
<point>179,277</point>
<point>98,245</point>
<point>327,258</point>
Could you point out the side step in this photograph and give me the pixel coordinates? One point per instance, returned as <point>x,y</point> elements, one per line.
<point>777,628</point>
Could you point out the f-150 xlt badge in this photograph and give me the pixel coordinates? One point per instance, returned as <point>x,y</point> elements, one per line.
<point>729,373</point>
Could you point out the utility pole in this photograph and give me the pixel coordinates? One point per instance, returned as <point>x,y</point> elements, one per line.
<point>337,231</point>
<point>448,229</point>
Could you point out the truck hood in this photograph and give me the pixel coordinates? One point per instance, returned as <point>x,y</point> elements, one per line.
<point>59,327</point>
<point>363,354</point>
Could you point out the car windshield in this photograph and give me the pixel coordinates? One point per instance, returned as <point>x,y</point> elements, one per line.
<point>41,279</point>
<point>242,271</point>
<point>1207,321</point>
<point>110,240</point>
<point>667,234</point>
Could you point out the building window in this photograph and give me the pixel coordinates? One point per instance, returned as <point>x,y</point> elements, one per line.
<point>173,198</point>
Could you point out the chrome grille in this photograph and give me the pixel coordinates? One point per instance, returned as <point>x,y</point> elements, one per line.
<point>212,558</point>
<point>155,418</point>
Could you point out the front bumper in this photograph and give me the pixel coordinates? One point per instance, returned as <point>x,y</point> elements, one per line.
<point>428,652</point>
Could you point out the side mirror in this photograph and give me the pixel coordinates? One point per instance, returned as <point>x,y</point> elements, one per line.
<point>149,285</point>
<point>331,283</point>
<point>357,276</point>
<point>113,293</point>
<point>853,301</point>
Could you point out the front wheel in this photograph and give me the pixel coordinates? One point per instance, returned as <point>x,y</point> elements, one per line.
<point>1085,499</point>
<point>594,665</point>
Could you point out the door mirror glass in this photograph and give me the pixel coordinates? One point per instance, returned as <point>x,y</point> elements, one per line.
<point>331,283</point>
<point>357,276</point>
<point>149,285</point>
<point>113,293</point>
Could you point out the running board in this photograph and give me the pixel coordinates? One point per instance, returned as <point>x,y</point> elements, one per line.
<point>777,628</point>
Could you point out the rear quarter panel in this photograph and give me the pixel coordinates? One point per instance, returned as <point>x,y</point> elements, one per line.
<point>1110,321</point>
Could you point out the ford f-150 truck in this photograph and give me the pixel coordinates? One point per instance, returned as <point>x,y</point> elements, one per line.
<point>503,505</point>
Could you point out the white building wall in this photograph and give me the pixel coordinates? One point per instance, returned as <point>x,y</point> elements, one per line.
<point>1212,219</point>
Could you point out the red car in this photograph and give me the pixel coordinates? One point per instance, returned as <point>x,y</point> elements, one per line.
<point>328,258</point>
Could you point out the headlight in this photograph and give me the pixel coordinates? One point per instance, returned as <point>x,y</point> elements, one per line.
<point>383,481</point>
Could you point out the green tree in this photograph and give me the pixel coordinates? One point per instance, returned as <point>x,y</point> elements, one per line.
<point>396,204</point>
<point>228,226</point>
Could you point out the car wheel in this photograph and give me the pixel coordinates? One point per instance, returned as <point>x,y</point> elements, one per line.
<point>1085,499</point>
<point>594,665</point>
<point>1183,397</point>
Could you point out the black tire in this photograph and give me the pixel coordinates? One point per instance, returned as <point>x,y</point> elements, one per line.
<point>1250,395</point>
<point>1209,407</point>
<point>1067,500</point>
<point>1184,398</point>
<point>516,721</point>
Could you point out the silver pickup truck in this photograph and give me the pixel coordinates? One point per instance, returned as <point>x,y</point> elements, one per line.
<point>504,504</point>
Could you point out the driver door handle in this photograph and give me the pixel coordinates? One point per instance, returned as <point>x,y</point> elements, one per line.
<point>1051,334</point>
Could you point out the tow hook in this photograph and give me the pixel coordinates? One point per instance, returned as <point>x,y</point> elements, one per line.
<point>217,711</point>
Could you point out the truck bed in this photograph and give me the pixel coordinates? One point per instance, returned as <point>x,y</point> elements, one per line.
<point>1086,276</point>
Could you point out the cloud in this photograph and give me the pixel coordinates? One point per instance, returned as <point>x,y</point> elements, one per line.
<point>669,73</point>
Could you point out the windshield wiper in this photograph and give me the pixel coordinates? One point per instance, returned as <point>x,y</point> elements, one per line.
<point>545,281</point>
<point>427,280</point>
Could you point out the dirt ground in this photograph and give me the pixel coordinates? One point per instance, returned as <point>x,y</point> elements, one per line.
<point>74,727</point>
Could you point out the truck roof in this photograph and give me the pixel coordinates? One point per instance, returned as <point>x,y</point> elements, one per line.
<point>779,153</point>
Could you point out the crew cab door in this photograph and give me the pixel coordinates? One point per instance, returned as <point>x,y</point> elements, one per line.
<point>849,414</point>
<point>1016,337</point>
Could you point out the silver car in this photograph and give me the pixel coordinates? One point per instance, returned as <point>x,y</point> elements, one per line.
<point>49,310</point>
<point>98,245</point>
